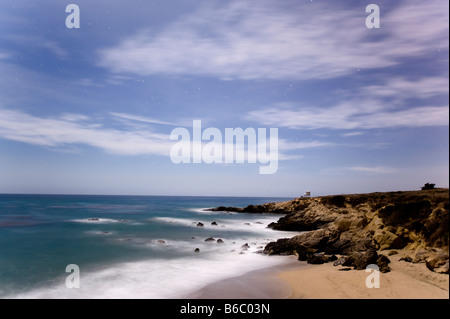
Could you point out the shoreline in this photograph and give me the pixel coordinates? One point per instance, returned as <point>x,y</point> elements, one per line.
<point>299,280</point>
<point>404,281</point>
<point>262,283</point>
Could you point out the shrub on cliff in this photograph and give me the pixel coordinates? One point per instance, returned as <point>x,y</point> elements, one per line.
<point>428,186</point>
<point>338,200</point>
<point>410,215</point>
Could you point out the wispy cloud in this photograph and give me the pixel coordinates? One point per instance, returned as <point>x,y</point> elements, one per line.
<point>306,41</point>
<point>75,129</point>
<point>55,48</point>
<point>4,55</point>
<point>349,134</point>
<point>143,119</point>
<point>401,88</point>
<point>68,130</point>
<point>384,105</point>
<point>350,117</point>
<point>360,170</point>
<point>372,169</point>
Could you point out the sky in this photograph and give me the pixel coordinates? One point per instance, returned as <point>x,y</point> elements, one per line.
<point>90,110</point>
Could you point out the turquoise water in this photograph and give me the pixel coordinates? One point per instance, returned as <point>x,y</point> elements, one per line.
<point>116,242</point>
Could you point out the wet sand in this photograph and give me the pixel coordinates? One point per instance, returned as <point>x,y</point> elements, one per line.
<point>259,284</point>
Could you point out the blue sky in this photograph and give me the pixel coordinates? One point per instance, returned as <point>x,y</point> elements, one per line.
<point>90,110</point>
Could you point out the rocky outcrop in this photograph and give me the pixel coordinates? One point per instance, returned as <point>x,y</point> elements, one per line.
<point>269,208</point>
<point>359,227</point>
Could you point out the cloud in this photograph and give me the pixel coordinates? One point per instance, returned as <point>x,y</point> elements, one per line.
<point>401,88</point>
<point>304,41</point>
<point>55,48</point>
<point>289,145</point>
<point>350,117</point>
<point>350,134</point>
<point>385,105</point>
<point>143,119</point>
<point>367,170</point>
<point>372,169</point>
<point>4,55</point>
<point>68,130</point>
<point>73,129</point>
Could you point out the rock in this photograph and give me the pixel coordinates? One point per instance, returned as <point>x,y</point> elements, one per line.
<point>350,241</point>
<point>437,260</point>
<point>387,240</point>
<point>197,250</point>
<point>209,239</point>
<point>357,226</point>
<point>316,259</point>
<point>383,264</point>
<point>442,269</point>
<point>304,253</point>
<point>360,260</point>
<point>92,219</point>
<point>214,223</point>
<point>273,208</point>
<point>320,258</point>
<point>245,246</point>
<point>200,224</point>
<point>407,258</point>
<point>223,209</point>
<point>309,220</point>
<point>248,224</point>
<point>220,241</point>
<point>332,258</point>
<point>340,261</point>
<point>283,246</point>
<point>160,241</point>
<point>336,200</point>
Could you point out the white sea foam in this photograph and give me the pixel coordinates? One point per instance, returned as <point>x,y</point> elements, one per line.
<point>202,211</point>
<point>157,278</point>
<point>237,224</point>
<point>99,232</point>
<point>95,220</point>
<point>178,277</point>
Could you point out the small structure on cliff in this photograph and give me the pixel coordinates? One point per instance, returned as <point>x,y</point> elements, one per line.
<point>307,194</point>
<point>428,186</point>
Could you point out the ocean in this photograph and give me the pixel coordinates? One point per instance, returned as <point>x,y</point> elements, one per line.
<point>127,246</point>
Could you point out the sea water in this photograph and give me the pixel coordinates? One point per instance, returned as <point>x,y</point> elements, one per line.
<point>127,246</point>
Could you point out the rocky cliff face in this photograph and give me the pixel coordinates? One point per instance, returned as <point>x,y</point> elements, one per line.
<point>363,228</point>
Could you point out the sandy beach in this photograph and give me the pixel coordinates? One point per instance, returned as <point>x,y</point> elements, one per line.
<point>259,284</point>
<point>404,281</point>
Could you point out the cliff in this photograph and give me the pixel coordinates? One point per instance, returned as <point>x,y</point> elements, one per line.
<point>361,229</point>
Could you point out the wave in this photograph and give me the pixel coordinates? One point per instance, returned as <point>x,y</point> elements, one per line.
<point>202,211</point>
<point>95,220</point>
<point>157,278</point>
